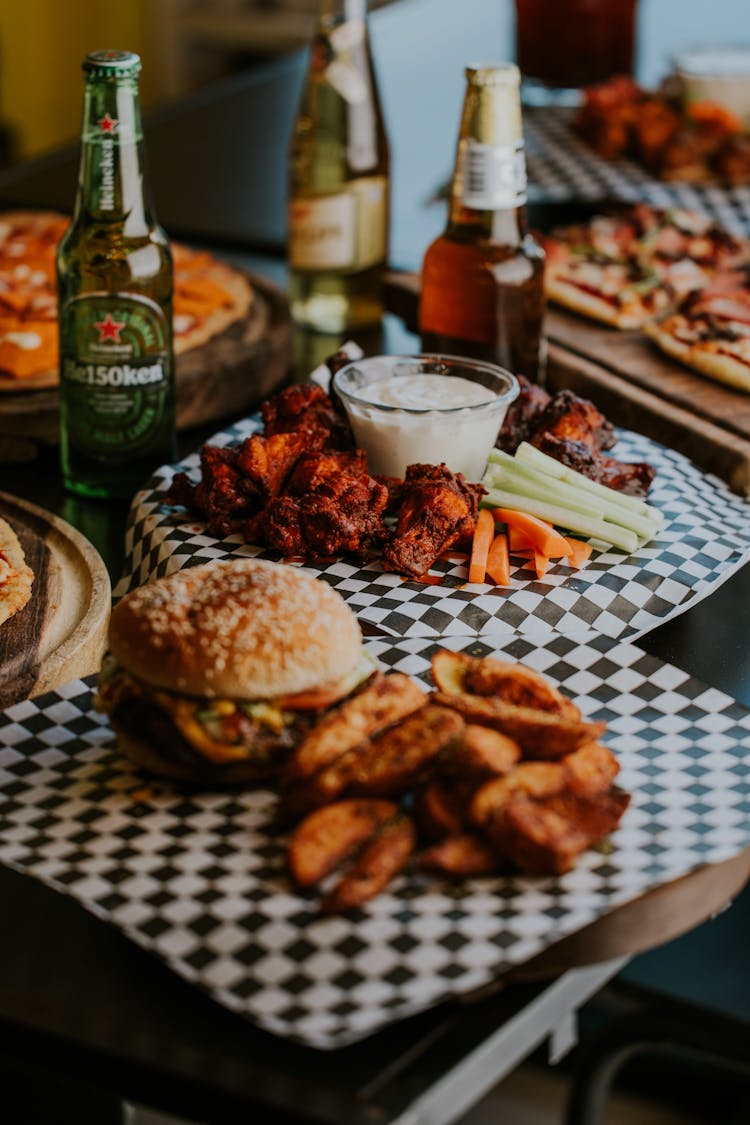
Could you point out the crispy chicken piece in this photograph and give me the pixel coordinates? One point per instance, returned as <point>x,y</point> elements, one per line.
<point>331,504</point>
<point>379,861</point>
<point>571,418</point>
<point>438,511</point>
<point>308,409</point>
<point>478,753</point>
<point>461,857</point>
<point>522,416</point>
<point>383,701</point>
<point>634,478</point>
<point>546,837</point>
<point>222,496</point>
<point>330,835</point>
<point>266,462</point>
<point>540,734</point>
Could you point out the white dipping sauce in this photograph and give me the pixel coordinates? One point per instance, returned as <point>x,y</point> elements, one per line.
<point>433,418</point>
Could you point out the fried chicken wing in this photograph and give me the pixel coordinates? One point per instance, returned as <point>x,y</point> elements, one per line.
<point>306,408</point>
<point>522,415</point>
<point>266,462</point>
<point>222,496</point>
<point>634,478</point>
<point>438,510</point>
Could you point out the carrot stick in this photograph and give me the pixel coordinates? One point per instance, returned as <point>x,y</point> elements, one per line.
<point>542,536</point>
<point>483,535</point>
<point>498,563</point>
<point>517,541</point>
<point>541,563</point>
<point>581,552</point>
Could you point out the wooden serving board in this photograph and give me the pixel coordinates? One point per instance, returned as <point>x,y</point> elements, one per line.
<point>225,378</point>
<point>635,385</point>
<point>61,632</point>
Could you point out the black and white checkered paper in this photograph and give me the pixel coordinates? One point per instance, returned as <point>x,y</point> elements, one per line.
<point>562,167</point>
<point>704,538</point>
<point>198,880</point>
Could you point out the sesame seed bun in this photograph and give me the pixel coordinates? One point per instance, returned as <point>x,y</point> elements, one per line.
<point>245,629</point>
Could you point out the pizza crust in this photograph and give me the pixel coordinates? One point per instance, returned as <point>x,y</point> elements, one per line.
<point>16,577</point>
<point>589,305</point>
<point>721,368</point>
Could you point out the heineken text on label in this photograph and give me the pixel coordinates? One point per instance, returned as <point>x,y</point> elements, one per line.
<point>115,371</point>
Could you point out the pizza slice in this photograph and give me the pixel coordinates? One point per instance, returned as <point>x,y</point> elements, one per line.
<point>16,577</point>
<point>710,332</point>
<point>685,249</point>
<point>615,290</point>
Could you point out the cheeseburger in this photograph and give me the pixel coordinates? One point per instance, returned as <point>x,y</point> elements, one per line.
<point>216,672</point>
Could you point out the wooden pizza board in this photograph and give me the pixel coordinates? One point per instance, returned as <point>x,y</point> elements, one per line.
<point>225,378</point>
<point>61,632</point>
<point>635,385</point>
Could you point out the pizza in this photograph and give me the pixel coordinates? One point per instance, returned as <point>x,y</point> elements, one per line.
<point>626,268</point>
<point>709,330</point>
<point>16,577</point>
<point>209,296</point>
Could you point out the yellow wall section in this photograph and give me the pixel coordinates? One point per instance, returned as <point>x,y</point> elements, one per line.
<point>42,44</point>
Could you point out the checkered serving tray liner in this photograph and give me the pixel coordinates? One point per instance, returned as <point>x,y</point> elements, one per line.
<point>198,880</point>
<point>705,537</point>
<point>562,167</point>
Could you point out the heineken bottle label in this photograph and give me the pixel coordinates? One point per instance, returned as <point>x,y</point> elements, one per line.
<point>115,372</point>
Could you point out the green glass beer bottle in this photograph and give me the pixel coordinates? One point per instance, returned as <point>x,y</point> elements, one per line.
<point>114,277</point>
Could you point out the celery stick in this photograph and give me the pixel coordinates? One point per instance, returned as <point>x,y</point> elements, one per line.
<point>506,472</point>
<point>608,532</point>
<point>542,488</point>
<point>529,455</point>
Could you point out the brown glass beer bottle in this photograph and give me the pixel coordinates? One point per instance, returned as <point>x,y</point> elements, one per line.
<point>482,290</point>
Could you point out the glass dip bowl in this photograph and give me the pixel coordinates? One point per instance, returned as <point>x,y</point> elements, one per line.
<point>426,409</point>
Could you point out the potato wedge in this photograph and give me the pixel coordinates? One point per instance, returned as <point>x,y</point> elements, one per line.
<point>529,779</point>
<point>439,810</point>
<point>383,857</point>
<point>480,753</point>
<point>590,770</point>
<point>330,835</point>
<point>546,837</point>
<point>540,734</point>
<point>461,856</point>
<point>397,759</point>
<point>457,673</point>
<point>385,700</point>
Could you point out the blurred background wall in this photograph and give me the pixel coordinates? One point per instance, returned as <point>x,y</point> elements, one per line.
<point>187,43</point>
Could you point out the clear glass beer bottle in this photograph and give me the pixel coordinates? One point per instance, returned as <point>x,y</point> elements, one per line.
<point>339,179</point>
<point>482,290</point>
<point>114,273</point>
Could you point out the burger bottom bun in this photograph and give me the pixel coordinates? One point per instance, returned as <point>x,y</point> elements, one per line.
<point>145,757</point>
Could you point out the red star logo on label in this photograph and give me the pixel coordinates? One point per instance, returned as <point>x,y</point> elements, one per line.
<point>108,124</point>
<point>109,329</point>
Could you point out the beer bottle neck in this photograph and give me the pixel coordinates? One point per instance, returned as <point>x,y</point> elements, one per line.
<point>488,191</point>
<point>332,12</point>
<point>112,182</point>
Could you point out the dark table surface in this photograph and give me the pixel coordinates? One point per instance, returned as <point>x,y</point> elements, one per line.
<point>83,1008</point>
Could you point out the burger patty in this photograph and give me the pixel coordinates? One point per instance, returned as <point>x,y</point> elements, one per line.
<point>141,717</point>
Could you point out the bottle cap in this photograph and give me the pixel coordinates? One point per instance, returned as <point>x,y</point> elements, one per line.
<point>112,64</point>
<point>494,74</point>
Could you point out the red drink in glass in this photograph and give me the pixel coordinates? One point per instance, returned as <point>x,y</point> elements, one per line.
<point>574,43</point>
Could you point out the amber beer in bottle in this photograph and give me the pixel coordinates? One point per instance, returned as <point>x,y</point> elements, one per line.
<point>114,274</point>
<point>339,179</point>
<point>482,280</point>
